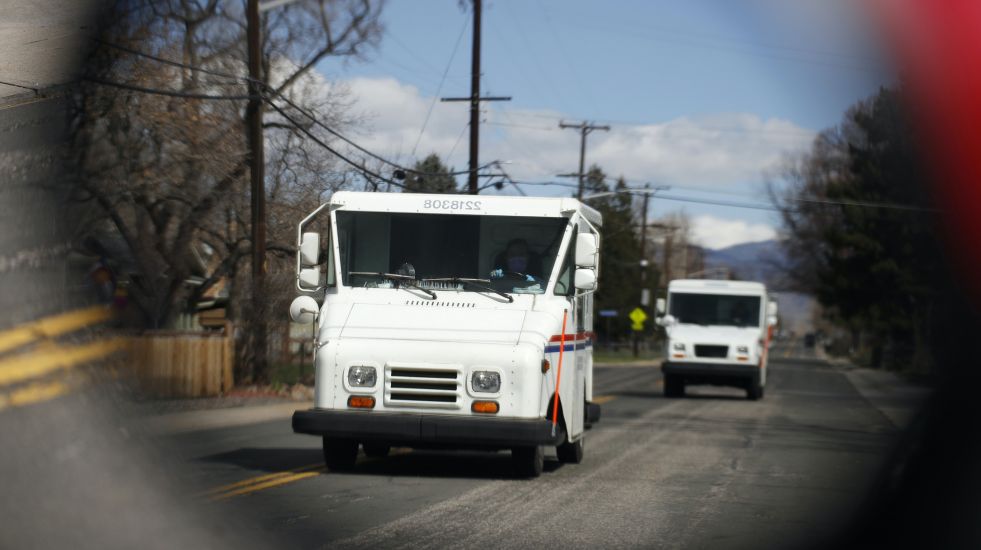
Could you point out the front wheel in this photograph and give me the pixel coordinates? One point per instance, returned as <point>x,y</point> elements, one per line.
<point>755,391</point>
<point>528,461</point>
<point>571,453</point>
<point>340,454</point>
<point>674,386</point>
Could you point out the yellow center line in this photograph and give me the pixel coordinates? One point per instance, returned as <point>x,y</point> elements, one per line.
<point>603,399</point>
<point>50,327</point>
<point>269,484</point>
<point>258,479</point>
<point>34,393</point>
<point>45,361</point>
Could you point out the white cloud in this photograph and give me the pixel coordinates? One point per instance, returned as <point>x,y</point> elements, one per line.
<point>712,232</point>
<point>709,150</point>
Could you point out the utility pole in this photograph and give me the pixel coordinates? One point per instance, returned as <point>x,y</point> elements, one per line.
<point>645,293</point>
<point>475,100</point>
<point>253,116</point>
<point>584,129</point>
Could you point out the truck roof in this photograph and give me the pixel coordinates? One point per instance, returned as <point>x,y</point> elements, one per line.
<point>493,205</point>
<point>716,286</point>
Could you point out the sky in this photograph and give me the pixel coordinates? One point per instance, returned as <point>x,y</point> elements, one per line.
<point>703,97</point>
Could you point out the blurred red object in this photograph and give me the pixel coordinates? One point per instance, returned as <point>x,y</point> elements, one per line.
<point>938,47</point>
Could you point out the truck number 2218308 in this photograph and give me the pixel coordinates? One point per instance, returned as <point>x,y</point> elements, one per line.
<point>449,204</point>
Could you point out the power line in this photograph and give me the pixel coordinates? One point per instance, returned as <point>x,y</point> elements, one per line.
<point>791,54</point>
<point>829,202</point>
<point>158,91</point>
<point>456,46</point>
<point>458,139</point>
<point>170,62</point>
<point>306,113</point>
<point>323,144</point>
<point>635,191</point>
<point>665,125</point>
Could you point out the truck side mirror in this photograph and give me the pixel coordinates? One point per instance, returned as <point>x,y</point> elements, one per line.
<point>665,321</point>
<point>304,310</point>
<point>771,309</point>
<point>659,306</point>
<point>309,279</point>
<point>585,279</point>
<point>771,320</point>
<point>310,249</point>
<point>586,250</point>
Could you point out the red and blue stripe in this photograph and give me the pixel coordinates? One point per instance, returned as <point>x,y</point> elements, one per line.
<point>573,342</point>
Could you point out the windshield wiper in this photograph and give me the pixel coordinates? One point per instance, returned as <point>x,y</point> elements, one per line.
<point>482,284</point>
<point>400,279</point>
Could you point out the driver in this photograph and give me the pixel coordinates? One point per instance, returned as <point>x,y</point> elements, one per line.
<point>518,258</point>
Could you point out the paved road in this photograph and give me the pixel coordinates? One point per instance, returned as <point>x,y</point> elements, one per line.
<point>710,470</point>
<point>43,43</point>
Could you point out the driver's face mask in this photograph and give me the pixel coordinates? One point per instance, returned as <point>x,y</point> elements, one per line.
<point>518,264</point>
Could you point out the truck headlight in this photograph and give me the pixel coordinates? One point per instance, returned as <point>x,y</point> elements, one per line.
<point>742,350</point>
<point>678,346</point>
<point>485,381</point>
<point>361,376</point>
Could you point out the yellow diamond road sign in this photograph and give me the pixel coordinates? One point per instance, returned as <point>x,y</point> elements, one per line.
<point>638,317</point>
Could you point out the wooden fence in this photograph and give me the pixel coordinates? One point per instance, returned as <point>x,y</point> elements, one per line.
<point>182,363</point>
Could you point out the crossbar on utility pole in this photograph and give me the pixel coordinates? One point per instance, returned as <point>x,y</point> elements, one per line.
<point>584,128</point>
<point>475,100</point>
<point>257,160</point>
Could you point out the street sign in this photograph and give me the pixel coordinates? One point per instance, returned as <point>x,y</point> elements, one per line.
<point>607,313</point>
<point>638,317</point>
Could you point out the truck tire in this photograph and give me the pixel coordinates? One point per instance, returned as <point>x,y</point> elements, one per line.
<point>340,454</point>
<point>375,449</point>
<point>674,386</point>
<point>571,453</point>
<point>528,461</point>
<point>755,391</point>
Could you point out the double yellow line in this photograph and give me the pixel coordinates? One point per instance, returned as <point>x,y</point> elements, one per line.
<point>46,358</point>
<point>262,482</point>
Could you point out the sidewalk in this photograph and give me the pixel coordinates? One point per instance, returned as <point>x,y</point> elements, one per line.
<point>896,398</point>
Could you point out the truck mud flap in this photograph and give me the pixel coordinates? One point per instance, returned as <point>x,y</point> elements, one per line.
<point>592,413</point>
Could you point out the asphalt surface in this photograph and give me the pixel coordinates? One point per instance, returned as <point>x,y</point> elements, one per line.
<point>711,470</point>
<point>44,43</point>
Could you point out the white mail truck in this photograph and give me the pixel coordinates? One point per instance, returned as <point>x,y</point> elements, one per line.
<point>718,332</point>
<point>449,321</point>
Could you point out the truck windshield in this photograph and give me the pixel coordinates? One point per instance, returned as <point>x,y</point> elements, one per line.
<point>714,309</point>
<point>507,253</point>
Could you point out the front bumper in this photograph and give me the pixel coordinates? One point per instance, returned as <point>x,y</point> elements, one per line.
<point>713,373</point>
<point>427,429</point>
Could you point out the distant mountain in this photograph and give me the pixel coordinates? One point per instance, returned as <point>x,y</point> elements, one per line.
<point>760,261</point>
<point>765,262</point>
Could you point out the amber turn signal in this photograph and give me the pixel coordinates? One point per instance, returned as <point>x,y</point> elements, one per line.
<point>361,402</point>
<point>489,407</point>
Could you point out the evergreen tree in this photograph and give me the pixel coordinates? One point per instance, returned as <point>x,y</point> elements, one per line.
<point>871,268</point>
<point>430,176</point>
<point>619,268</point>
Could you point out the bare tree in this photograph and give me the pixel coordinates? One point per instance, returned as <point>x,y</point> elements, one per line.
<point>161,145</point>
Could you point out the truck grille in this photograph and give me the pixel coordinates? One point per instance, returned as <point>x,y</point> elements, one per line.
<point>704,350</point>
<point>423,386</point>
